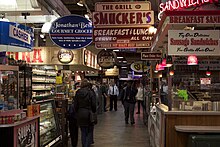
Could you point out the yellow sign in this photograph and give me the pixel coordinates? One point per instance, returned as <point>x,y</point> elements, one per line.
<point>59,80</point>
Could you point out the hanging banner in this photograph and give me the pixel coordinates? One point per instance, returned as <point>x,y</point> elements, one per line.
<point>194,42</point>
<point>71,32</point>
<point>122,6</point>
<point>16,37</point>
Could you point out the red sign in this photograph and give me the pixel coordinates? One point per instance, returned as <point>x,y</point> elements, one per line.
<point>178,4</point>
<point>140,18</point>
<point>110,45</point>
<point>209,19</point>
<point>29,57</point>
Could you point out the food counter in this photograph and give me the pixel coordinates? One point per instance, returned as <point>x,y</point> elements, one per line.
<point>173,128</point>
<point>21,133</point>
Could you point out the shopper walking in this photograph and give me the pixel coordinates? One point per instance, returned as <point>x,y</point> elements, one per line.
<point>128,100</point>
<point>73,126</point>
<point>85,103</point>
<point>140,97</point>
<point>104,95</point>
<point>113,92</point>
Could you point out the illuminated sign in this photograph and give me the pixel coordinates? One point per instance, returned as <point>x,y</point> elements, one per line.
<point>65,56</point>
<point>122,6</point>
<point>139,67</point>
<point>150,56</point>
<point>178,4</point>
<point>193,42</point>
<point>123,18</point>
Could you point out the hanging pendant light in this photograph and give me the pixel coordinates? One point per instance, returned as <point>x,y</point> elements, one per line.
<point>156,68</point>
<point>169,61</point>
<point>164,61</point>
<point>208,73</point>
<point>192,60</point>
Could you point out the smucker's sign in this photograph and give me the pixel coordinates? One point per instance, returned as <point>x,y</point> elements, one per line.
<point>122,25</point>
<point>143,18</point>
<point>122,37</point>
<point>194,42</point>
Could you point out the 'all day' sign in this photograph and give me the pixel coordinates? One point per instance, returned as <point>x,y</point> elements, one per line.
<point>122,25</point>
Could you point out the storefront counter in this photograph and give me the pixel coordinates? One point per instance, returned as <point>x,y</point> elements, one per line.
<point>22,133</point>
<point>172,128</point>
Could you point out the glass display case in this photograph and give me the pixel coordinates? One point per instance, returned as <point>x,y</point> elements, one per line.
<point>49,124</point>
<point>9,98</point>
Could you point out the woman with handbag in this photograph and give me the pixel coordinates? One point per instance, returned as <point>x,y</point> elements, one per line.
<point>85,103</point>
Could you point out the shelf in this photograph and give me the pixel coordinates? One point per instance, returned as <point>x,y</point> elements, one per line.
<point>41,89</point>
<point>37,74</point>
<point>48,130</point>
<point>44,82</point>
<point>47,119</point>
<point>43,96</point>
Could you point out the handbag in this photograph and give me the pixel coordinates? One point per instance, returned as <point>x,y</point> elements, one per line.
<point>93,118</point>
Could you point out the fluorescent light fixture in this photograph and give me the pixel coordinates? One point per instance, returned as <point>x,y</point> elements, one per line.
<point>80,3</point>
<point>4,19</point>
<point>87,16</point>
<point>115,50</point>
<point>42,35</point>
<point>8,4</point>
<point>120,57</point>
<point>46,27</point>
<point>123,67</point>
<point>124,61</point>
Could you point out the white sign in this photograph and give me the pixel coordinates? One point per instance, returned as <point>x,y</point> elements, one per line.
<point>194,42</point>
<point>131,18</point>
<point>19,34</point>
<point>122,6</point>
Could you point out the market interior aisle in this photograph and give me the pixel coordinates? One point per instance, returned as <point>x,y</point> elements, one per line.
<point>111,131</point>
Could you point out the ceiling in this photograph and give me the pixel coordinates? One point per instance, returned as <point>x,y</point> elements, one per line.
<point>75,9</point>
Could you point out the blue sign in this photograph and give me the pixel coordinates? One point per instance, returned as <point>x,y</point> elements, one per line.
<point>15,37</point>
<point>71,32</point>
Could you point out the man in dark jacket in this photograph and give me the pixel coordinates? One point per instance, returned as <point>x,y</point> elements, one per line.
<point>128,100</point>
<point>85,103</point>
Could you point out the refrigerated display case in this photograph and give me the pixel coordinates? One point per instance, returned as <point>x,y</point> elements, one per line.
<point>50,133</point>
<point>43,83</point>
<point>9,97</point>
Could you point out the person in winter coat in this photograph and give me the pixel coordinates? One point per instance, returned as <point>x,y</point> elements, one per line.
<point>129,100</point>
<point>85,103</point>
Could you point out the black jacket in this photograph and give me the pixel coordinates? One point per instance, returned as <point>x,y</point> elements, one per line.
<point>128,94</point>
<point>85,101</point>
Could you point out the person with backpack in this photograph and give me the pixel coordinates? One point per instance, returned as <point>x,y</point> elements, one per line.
<point>128,101</point>
<point>85,105</point>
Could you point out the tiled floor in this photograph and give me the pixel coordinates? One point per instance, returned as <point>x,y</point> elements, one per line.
<point>111,131</point>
